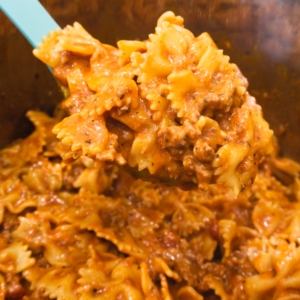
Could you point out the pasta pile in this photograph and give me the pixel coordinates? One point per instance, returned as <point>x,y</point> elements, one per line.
<point>74,225</point>
<point>170,109</point>
<point>86,231</point>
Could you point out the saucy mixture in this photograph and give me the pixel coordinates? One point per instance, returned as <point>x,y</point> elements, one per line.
<point>171,109</point>
<point>76,226</point>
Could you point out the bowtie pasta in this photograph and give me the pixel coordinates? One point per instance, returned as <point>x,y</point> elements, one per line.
<point>172,109</point>
<point>85,231</point>
<point>169,109</point>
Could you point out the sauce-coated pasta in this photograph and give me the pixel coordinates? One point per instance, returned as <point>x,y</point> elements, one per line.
<point>85,231</point>
<point>172,108</point>
<point>75,227</point>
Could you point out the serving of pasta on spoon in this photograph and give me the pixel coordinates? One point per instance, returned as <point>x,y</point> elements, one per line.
<point>170,109</point>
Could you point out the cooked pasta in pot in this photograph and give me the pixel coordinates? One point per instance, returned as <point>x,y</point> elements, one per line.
<point>75,227</point>
<point>86,231</point>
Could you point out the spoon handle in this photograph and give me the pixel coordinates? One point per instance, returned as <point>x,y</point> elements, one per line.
<point>30,17</point>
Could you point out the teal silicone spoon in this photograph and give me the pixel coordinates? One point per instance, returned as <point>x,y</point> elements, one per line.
<point>30,17</point>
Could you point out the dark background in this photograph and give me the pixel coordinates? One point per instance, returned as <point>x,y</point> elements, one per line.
<point>261,36</point>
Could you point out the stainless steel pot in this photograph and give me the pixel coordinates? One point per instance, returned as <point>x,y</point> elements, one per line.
<point>261,36</point>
